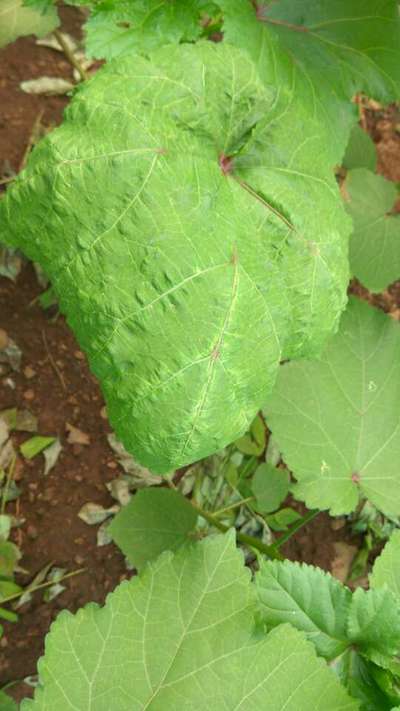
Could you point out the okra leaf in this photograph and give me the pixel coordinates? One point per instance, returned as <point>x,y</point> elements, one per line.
<point>375,242</point>
<point>309,599</point>
<point>16,20</point>
<point>120,27</point>
<point>177,221</point>
<point>155,520</point>
<point>182,634</point>
<point>360,151</point>
<point>326,416</point>
<point>386,570</point>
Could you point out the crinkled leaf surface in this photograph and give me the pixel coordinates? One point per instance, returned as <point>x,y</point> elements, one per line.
<point>183,636</point>
<point>155,520</point>
<point>17,20</point>
<point>310,599</point>
<point>119,27</point>
<point>375,242</point>
<point>360,151</point>
<point>177,220</point>
<point>326,416</point>
<point>386,570</point>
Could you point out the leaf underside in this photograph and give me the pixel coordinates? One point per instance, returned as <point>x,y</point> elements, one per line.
<point>192,240</point>
<point>326,416</point>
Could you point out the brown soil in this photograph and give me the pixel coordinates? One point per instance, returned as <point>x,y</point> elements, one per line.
<point>52,531</point>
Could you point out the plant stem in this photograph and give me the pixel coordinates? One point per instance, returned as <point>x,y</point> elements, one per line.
<point>248,466</point>
<point>9,478</point>
<point>236,505</point>
<point>70,55</point>
<point>296,527</point>
<point>242,537</point>
<point>48,584</point>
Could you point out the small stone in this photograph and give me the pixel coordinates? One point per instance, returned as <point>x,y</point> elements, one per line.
<point>103,413</point>
<point>79,355</point>
<point>79,560</point>
<point>29,395</point>
<point>29,372</point>
<point>3,642</point>
<point>78,478</point>
<point>32,532</point>
<point>112,465</point>
<point>3,339</point>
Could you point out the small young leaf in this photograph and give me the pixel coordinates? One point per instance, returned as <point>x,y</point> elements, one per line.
<point>154,521</point>
<point>281,520</point>
<point>270,486</point>
<point>182,635</point>
<point>336,459</point>
<point>375,242</point>
<point>310,599</point>
<point>35,445</point>
<point>386,570</point>
<point>360,151</point>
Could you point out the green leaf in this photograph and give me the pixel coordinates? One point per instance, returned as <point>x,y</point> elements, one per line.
<point>270,486</point>
<point>17,20</point>
<point>182,635</point>
<point>386,570</point>
<point>155,520</point>
<point>310,599</point>
<point>7,615</point>
<point>281,520</point>
<point>360,151</point>
<point>329,50</point>
<point>9,557</point>
<point>119,27</point>
<point>326,416</point>
<point>186,278</point>
<point>7,703</point>
<point>254,442</point>
<point>374,624</point>
<point>35,445</point>
<point>357,675</point>
<point>375,242</point>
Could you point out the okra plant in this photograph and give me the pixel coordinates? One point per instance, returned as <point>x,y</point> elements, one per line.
<point>188,214</point>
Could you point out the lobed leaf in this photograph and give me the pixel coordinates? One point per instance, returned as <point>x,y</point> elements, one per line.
<point>326,416</point>
<point>177,220</point>
<point>183,636</point>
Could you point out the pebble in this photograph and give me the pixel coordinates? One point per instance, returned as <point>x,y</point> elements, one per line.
<point>32,532</point>
<point>29,372</point>
<point>29,395</point>
<point>79,355</point>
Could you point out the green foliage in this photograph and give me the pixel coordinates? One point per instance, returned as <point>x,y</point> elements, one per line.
<point>17,20</point>
<point>186,281</point>
<point>387,567</point>
<point>155,520</point>
<point>182,634</point>
<point>120,27</point>
<point>360,151</point>
<point>375,242</point>
<point>270,486</point>
<point>7,703</point>
<point>326,416</point>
